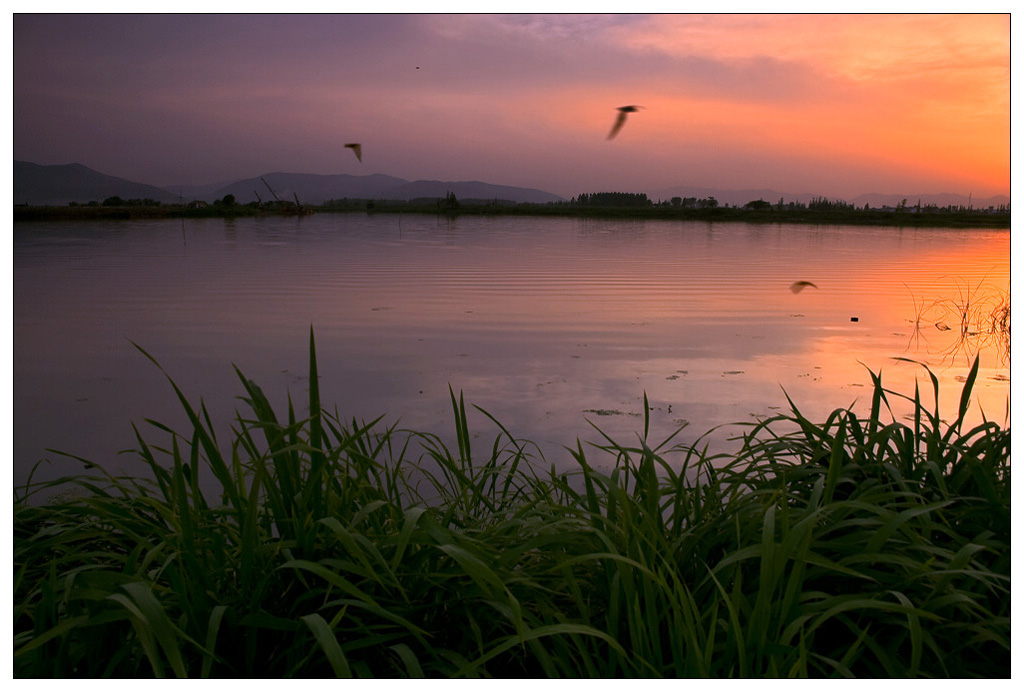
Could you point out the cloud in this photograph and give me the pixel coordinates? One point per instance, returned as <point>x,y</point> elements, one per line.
<point>860,47</point>
<point>523,99</point>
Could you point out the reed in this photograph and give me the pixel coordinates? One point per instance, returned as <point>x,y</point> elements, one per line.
<point>967,321</point>
<point>854,547</point>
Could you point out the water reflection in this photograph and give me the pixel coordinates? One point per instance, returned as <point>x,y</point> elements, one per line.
<point>545,323</point>
<point>964,324</point>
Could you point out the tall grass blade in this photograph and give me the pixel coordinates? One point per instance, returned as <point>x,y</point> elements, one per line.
<point>854,547</point>
<point>327,641</point>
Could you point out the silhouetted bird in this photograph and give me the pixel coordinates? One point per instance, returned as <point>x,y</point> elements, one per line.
<point>357,148</point>
<point>621,120</point>
<point>801,285</point>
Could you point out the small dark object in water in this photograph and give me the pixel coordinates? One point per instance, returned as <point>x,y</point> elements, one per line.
<point>801,285</point>
<point>942,326</point>
<point>855,319</point>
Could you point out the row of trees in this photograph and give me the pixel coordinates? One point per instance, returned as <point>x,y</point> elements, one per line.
<point>612,199</point>
<point>694,203</point>
<point>628,199</point>
<point>116,201</point>
<point>825,204</point>
<point>597,200</point>
<point>620,200</point>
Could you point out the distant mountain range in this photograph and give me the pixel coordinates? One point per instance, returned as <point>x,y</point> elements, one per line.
<point>59,185</point>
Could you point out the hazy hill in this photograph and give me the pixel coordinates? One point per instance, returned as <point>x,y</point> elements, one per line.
<point>310,188</point>
<point>317,189</point>
<point>205,192</point>
<point>731,197</point>
<point>469,190</point>
<point>59,185</point>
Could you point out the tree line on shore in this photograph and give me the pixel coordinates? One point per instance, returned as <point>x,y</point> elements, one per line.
<point>606,200</point>
<point>818,209</point>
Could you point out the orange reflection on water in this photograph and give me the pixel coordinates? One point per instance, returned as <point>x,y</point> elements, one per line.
<point>939,307</point>
<point>546,323</point>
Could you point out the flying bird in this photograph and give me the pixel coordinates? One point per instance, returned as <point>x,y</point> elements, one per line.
<point>357,148</point>
<point>621,120</point>
<point>801,285</point>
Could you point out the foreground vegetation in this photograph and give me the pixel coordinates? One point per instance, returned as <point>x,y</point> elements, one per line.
<point>853,547</point>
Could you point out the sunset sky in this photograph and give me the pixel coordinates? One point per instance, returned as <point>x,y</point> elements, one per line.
<point>835,105</point>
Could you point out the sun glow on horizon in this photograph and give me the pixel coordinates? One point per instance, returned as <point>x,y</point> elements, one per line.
<point>855,103</point>
<point>926,93</point>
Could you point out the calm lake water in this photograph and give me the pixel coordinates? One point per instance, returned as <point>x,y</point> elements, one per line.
<point>544,322</point>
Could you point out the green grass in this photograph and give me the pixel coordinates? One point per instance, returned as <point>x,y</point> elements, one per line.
<point>852,547</point>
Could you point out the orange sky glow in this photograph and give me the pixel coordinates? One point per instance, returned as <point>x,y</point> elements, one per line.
<point>929,93</point>
<point>836,105</point>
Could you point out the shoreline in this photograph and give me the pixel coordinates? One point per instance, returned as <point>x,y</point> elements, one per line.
<point>871,217</point>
